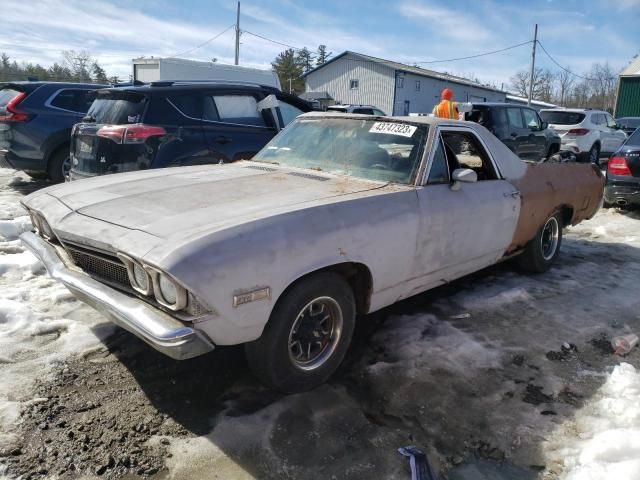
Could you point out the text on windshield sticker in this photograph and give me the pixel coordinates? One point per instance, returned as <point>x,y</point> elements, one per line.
<point>401,129</point>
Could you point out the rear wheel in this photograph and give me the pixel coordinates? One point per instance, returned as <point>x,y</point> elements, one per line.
<point>541,252</point>
<point>59,165</point>
<point>307,335</point>
<point>594,154</point>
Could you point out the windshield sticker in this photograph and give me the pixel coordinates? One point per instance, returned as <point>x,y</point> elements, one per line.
<point>401,129</point>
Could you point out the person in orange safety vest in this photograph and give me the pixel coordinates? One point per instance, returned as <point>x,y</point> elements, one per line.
<point>447,108</point>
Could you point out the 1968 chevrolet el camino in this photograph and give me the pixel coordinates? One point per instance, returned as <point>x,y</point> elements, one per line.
<point>338,215</point>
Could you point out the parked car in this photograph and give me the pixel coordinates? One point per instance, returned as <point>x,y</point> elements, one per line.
<point>35,124</point>
<point>587,133</point>
<point>362,109</point>
<point>166,124</point>
<point>519,128</point>
<point>628,124</point>
<point>338,215</point>
<point>623,174</point>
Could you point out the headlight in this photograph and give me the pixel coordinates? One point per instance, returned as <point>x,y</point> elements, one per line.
<point>46,230</point>
<point>138,276</point>
<point>168,293</point>
<point>35,221</point>
<point>168,289</point>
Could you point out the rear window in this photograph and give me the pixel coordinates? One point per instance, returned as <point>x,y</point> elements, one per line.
<point>562,118</point>
<point>118,108</point>
<point>479,115</point>
<point>6,95</point>
<point>634,139</point>
<point>629,122</point>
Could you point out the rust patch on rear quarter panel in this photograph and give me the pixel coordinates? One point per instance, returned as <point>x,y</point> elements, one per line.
<point>548,187</point>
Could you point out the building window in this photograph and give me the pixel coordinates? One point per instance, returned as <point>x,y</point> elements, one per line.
<point>353,84</point>
<point>400,81</point>
<point>417,85</point>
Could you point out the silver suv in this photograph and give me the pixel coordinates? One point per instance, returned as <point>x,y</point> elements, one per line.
<point>362,109</point>
<point>587,133</point>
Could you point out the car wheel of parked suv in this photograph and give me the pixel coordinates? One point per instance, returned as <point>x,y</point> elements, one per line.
<point>594,154</point>
<point>541,252</point>
<point>59,165</point>
<point>307,335</point>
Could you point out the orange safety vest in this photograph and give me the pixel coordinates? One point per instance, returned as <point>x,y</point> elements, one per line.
<point>446,109</point>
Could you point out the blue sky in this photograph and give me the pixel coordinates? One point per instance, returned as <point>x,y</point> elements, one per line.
<point>577,33</point>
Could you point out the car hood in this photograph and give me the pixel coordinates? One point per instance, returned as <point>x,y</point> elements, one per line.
<point>183,201</point>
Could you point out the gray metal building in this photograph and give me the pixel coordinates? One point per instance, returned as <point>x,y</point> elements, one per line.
<point>395,88</point>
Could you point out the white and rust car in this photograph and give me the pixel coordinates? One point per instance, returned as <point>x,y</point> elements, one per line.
<point>337,216</point>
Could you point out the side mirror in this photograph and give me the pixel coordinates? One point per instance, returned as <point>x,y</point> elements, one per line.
<point>544,126</point>
<point>463,175</point>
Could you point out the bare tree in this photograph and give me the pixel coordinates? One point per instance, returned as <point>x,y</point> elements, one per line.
<point>565,81</point>
<point>79,64</point>
<point>543,80</point>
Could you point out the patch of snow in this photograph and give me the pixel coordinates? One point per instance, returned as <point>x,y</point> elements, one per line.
<point>603,440</point>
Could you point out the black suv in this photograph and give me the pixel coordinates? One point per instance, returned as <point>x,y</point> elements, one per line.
<point>519,128</point>
<point>35,124</point>
<point>165,124</point>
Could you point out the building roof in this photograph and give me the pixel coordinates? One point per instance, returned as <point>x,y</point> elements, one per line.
<point>633,68</point>
<point>310,96</point>
<point>516,98</point>
<point>408,69</point>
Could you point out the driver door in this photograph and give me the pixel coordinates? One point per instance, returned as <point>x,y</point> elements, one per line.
<point>466,229</point>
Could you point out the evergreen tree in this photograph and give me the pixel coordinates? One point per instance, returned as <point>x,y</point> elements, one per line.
<point>289,71</point>
<point>322,55</point>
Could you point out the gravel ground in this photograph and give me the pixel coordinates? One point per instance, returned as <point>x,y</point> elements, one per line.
<point>481,374</point>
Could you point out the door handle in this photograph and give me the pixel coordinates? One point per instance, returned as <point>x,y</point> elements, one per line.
<point>222,140</point>
<point>514,194</point>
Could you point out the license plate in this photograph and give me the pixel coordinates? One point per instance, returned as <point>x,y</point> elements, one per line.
<point>85,147</point>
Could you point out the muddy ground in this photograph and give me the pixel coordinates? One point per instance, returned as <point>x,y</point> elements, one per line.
<point>479,374</point>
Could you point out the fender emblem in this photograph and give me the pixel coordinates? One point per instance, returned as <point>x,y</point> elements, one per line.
<point>246,296</point>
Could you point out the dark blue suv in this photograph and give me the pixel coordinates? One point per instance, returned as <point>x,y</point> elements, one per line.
<point>168,124</point>
<point>35,124</point>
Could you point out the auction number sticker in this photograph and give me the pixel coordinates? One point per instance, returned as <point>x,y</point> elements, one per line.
<point>389,128</point>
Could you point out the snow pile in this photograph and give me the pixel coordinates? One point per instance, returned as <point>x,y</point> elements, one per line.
<point>603,441</point>
<point>39,323</point>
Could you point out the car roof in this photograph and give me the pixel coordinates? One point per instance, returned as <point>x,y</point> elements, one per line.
<point>573,110</point>
<point>499,104</point>
<point>55,84</point>
<point>176,86</point>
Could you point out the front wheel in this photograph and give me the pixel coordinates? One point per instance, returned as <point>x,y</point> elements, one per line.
<point>541,252</point>
<point>59,166</point>
<point>307,335</point>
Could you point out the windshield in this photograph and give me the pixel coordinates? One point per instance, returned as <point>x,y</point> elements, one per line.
<point>117,108</point>
<point>384,151</point>
<point>562,118</point>
<point>634,139</point>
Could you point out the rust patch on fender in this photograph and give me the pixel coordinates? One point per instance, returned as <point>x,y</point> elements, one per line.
<point>547,187</point>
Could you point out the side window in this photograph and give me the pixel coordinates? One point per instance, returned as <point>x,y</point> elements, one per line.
<point>400,81</point>
<point>380,113</point>
<point>83,100</point>
<point>439,172</point>
<point>611,123</point>
<point>515,118</point>
<point>464,150</point>
<point>242,109</point>
<point>188,105</point>
<point>288,112</point>
<point>499,116</point>
<point>364,111</point>
<point>66,100</point>
<point>417,85</point>
<point>597,119</point>
<point>354,84</point>
<point>530,118</point>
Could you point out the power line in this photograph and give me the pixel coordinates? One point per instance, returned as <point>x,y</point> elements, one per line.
<point>478,55</point>
<point>204,43</point>
<point>560,66</point>
<point>271,40</point>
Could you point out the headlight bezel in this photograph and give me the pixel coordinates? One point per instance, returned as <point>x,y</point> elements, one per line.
<point>130,264</point>
<point>181,292</point>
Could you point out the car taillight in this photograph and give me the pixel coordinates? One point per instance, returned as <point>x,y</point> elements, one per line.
<point>14,115</point>
<point>618,166</point>
<point>578,132</point>
<point>138,133</point>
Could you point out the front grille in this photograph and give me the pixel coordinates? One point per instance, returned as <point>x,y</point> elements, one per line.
<point>105,267</point>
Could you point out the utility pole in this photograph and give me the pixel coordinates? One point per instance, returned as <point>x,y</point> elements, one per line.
<point>533,64</point>
<point>238,35</point>
<point>290,90</point>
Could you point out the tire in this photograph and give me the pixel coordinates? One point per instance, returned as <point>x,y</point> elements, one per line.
<point>553,149</point>
<point>282,358</point>
<point>59,164</point>
<point>593,156</point>
<point>542,251</point>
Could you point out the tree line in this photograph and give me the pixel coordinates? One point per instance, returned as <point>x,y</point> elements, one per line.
<point>74,66</point>
<point>595,88</point>
<point>291,64</point>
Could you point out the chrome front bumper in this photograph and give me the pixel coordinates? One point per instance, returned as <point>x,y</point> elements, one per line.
<point>158,329</point>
